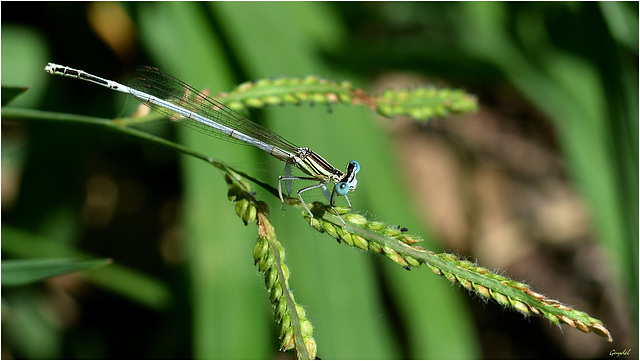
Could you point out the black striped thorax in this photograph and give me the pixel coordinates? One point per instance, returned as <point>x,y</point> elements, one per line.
<point>314,165</point>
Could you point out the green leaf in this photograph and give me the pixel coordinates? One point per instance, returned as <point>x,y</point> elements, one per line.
<point>24,271</point>
<point>11,92</point>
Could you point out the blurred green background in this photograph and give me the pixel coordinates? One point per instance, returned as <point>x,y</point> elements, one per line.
<point>541,183</point>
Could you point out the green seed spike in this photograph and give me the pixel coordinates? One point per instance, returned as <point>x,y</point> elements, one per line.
<point>395,244</point>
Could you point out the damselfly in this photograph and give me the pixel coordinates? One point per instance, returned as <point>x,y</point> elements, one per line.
<point>182,103</point>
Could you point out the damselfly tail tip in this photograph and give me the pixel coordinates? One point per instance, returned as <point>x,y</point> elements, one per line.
<point>51,68</point>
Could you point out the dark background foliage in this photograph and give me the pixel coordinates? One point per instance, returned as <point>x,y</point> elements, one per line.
<point>541,183</point>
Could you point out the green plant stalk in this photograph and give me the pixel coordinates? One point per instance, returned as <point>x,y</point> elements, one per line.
<point>296,331</point>
<point>399,247</point>
<point>422,103</point>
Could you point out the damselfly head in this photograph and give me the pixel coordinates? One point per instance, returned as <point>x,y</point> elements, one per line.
<point>349,182</point>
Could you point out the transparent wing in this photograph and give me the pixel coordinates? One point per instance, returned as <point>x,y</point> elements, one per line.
<point>156,82</point>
